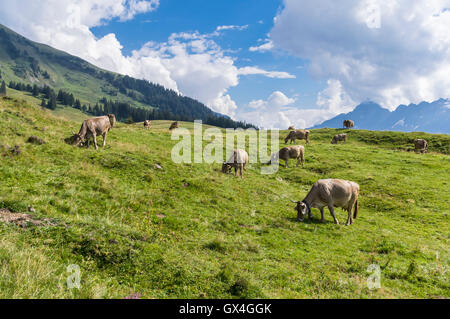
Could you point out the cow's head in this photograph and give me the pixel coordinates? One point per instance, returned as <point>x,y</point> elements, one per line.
<point>334,141</point>
<point>226,168</point>
<point>112,119</point>
<point>74,140</point>
<point>302,209</point>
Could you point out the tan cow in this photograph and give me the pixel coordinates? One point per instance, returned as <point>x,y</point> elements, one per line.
<point>339,137</point>
<point>93,127</point>
<point>238,159</point>
<point>297,152</point>
<point>420,145</point>
<point>174,125</point>
<point>147,124</point>
<point>331,193</point>
<point>349,123</point>
<point>297,135</point>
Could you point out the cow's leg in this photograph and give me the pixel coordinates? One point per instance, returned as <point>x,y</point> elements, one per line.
<point>349,218</point>
<point>322,217</point>
<point>104,139</point>
<point>331,208</point>
<point>241,167</point>
<point>235,169</point>
<point>287,163</point>
<point>94,137</point>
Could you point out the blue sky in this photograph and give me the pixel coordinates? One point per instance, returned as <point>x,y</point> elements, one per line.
<point>273,63</point>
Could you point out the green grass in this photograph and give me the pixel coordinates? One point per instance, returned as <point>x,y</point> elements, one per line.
<point>188,231</point>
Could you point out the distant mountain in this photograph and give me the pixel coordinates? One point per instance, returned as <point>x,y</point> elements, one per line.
<point>424,117</point>
<point>26,62</point>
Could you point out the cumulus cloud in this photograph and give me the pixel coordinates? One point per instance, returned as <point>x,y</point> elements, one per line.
<point>334,99</point>
<point>392,52</point>
<point>268,113</point>
<point>280,112</point>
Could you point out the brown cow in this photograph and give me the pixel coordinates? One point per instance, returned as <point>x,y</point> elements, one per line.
<point>291,128</point>
<point>238,159</point>
<point>174,125</point>
<point>297,135</point>
<point>93,127</point>
<point>331,193</point>
<point>339,137</point>
<point>297,152</point>
<point>147,124</point>
<point>349,123</point>
<point>420,145</point>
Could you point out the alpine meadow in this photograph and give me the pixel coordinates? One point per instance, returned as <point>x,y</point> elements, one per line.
<point>94,205</point>
<point>189,231</point>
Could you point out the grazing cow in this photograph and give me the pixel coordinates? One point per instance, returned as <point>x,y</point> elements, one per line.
<point>339,137</point>
<point>291,128</point>
<point>420,145</point>
<point>238,159</point>
<point>331,193</point>
<point>297,135</point>
<point>349,123</point>
<point>147,124</point>
<point>93,127</point>
<point>174,125</point>
<point>297,152</point>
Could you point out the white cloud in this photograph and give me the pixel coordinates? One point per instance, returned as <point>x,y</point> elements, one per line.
<point>334,99</point>
<point>400,56</point>
<point>232,27</point>
<point>267,46</point>
<point>276,100</point>
<point>252,70</point>
<point>279,111</point>
<point>268,113</point>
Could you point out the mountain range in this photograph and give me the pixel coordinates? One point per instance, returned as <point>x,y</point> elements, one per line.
<point>431,117</point>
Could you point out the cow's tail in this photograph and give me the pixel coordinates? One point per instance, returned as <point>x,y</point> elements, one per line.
<point>355,211</point>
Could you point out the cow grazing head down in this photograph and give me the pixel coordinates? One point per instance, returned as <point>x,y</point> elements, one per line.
<point>226,168</point>
<point>74,140</point>
<point>71,140</point>
<point>302,209</point>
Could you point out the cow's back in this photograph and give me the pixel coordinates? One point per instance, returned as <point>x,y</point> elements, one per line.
<point>99,125</point>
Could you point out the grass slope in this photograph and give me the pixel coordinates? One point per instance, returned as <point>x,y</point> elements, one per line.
<point>188,231</point>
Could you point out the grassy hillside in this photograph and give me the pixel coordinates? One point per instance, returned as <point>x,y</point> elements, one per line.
<point>188,231</point>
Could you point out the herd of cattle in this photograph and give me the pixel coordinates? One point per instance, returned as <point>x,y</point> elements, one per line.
<point>324,193</point>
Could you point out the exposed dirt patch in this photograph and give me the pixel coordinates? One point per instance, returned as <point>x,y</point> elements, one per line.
<point>22,220</point>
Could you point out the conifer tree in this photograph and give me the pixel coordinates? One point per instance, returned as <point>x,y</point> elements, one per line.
<point>3,88</point>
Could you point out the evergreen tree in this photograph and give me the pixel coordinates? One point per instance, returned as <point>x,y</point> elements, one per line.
<point>52,101</point>
<point>35,91</point>
<point>43,104</point>
<point>3,88</point>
